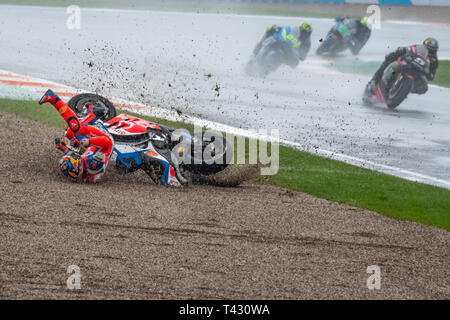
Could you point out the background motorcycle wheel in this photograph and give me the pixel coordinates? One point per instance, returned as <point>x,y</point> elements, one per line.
<point>325,46</point>
<point>322,48</point>
<point>271,60</point>
<point>250,68</point>
<point>104,107</point>
<point>332,44</point>
<point>207,139</point>
<point>255,69</point>
<point>399,91</point>
<point>367,98</point>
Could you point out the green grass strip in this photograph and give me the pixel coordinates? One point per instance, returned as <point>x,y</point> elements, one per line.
<point>443,74</point>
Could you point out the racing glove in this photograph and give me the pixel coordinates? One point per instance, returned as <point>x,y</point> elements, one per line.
<point>61,145</point>
<point>75,143</point>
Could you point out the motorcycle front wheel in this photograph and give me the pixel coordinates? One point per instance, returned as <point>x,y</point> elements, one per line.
<point>328,44</point>
<point>399,90</point>
<point>215,154</point>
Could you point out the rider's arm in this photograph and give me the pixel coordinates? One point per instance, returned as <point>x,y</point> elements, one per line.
<point>434,64</point>
<point>355,46</point>
<point>359,41</point>
<point>304,49</point>
<point>269,32</point>
<point>391,57</point>
<point>61,145</point>
<point>72,140</point>
<point>365,35</point>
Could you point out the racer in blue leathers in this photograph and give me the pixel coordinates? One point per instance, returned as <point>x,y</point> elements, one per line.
<point>298,39</point>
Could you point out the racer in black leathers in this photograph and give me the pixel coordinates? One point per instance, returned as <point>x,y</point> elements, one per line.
<point>429,46</point>
<point>298,38</point>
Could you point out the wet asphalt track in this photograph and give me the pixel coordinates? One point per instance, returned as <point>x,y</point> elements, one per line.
<point>194,62</point>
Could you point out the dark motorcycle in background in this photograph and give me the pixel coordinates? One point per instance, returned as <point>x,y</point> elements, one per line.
<point>334,41</point>
<point>397,81</point>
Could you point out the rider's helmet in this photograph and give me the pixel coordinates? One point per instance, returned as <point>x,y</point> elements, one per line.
<point>365,21</point>
<point>305,30</point>
<point>432,45</point>
<point>71,165</point>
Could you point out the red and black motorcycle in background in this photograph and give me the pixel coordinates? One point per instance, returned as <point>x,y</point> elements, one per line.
<point>398,80</point>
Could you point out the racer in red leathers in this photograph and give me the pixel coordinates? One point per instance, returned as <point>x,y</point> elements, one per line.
<point>89,166</point>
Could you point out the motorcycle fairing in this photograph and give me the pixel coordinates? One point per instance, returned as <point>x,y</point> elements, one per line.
<point>343,30</point>
<point>129,158</point>
<point>126,124</point>
<point>379,94</point>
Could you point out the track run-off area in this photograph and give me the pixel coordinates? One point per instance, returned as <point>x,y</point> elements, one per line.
<point>193,63</point>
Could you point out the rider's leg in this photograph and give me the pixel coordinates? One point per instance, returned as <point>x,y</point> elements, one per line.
<point>164,172</point>
<point>420,86</point>
<point>376,78</point>
<point>63,109</point>
<point>379,74</point>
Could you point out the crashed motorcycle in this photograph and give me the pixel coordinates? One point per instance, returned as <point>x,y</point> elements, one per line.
<point>269,58</point>
<point>140,144</point>
<point>397,81</point>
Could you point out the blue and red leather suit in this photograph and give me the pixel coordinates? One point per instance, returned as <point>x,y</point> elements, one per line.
<point>97,143</point>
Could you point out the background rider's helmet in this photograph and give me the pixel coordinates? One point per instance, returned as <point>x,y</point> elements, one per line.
<point>432,45</point>
<point>71,165</point>
<point>365,21</point>
<point>305,30</point>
